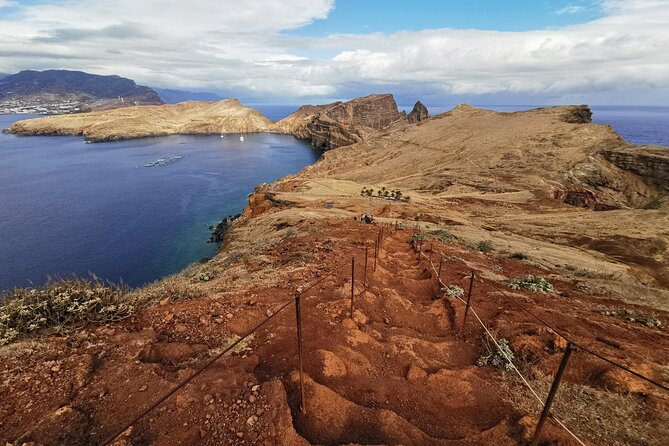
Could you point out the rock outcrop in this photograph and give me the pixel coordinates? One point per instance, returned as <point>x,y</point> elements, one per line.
<point>418,113</point>
<point>578,114</point>
<point>186,118</point>
<point>649,162</point>
<point>343,123</point>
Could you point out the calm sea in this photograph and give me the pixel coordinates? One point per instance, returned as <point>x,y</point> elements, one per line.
<point>69,207</point>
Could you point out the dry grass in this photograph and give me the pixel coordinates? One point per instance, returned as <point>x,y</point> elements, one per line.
<point>599,416</point>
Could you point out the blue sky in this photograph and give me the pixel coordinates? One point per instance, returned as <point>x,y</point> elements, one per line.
<point>495,52</point>
<point>388,16</point>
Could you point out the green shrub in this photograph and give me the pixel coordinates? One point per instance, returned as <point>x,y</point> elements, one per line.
<point>484,246</point>
<point>59,303</point>
<point>649,320</point>
<point>417,237</point>
<point>532,283</point>
<point>453,291</point>
<point>204,276</point>
<point>444,236</point>
<point>496,358</point>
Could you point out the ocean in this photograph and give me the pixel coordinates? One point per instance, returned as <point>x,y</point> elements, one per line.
<point>68,207</point>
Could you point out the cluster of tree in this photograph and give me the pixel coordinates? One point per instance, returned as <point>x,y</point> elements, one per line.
<point>385,193</point>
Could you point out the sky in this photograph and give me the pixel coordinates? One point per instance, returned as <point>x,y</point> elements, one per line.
<point>485,52</point>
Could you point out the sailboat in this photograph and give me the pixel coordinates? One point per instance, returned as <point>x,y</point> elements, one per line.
<point>241,138</point>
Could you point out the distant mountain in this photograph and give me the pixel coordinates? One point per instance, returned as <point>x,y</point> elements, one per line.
<point>175,96</point>
<point>63,91</point>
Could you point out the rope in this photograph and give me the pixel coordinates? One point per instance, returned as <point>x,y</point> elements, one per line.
<point>576,344</point>
<point>513,366</point>
<point>211,361</point>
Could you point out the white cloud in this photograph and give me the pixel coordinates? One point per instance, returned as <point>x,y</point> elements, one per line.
<point>570,10</point>
<point>245,46</point>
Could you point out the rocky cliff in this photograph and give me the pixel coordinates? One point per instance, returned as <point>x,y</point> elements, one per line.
<point>227,116</point>
<point>418,113</point>
<point>649,162</point>
<point>342,123</point>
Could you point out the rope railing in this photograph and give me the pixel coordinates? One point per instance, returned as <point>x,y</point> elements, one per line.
<point>365,252</point>
<point>111,438</point>
<point>417,244</point>
<point>504,354</point>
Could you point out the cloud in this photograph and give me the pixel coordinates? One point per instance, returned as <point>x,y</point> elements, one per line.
<point>570,10</point>
<point>246,46</point>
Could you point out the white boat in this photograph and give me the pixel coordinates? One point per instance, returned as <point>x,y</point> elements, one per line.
<point>241,138</point>
<point>222,135</point>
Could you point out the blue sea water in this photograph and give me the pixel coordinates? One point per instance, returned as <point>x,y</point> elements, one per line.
<point>69,207</point>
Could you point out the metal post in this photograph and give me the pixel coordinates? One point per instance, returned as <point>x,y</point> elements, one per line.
<point>298,315</point>
<point>552,392</point>
<point>352,283</point>
<point>364,277</point>
<point>469,297</point>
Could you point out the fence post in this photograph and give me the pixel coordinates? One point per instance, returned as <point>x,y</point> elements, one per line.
<point>469,297</point>
<point>364,277</point>
<point>552,392</point>
<point>298,316</point>
<point>352,283</point>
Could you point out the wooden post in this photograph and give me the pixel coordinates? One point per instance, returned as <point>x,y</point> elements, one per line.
<point>364,277</point>
<point>552,392</point>
<point>469,297</point>
<point>352,283</point>
<point>298,316</point>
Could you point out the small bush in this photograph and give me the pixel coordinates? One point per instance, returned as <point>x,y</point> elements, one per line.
<point>532,283</point>
<point>204,276</point>
<point>59,303</point>
<point>518,256</point>
<point>484,246</point>
<point>444,236</point>
<point>417,237</point>
<point>648,320</point>
<point>453,291</point>
<point>496,358</point>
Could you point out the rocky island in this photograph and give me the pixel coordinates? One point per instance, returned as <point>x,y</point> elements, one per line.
<point>540,211</point>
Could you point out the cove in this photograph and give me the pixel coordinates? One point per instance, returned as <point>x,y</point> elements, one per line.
<point>67,207</point>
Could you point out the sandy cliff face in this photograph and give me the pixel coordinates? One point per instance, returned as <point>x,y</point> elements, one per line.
<point>342,123</point>
<point>227,116</point>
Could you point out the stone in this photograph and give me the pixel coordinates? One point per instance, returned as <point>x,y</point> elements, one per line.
<point>330,365</point>
<point>349,324</point>
<point>415,373</point>
<point>418,113</point>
